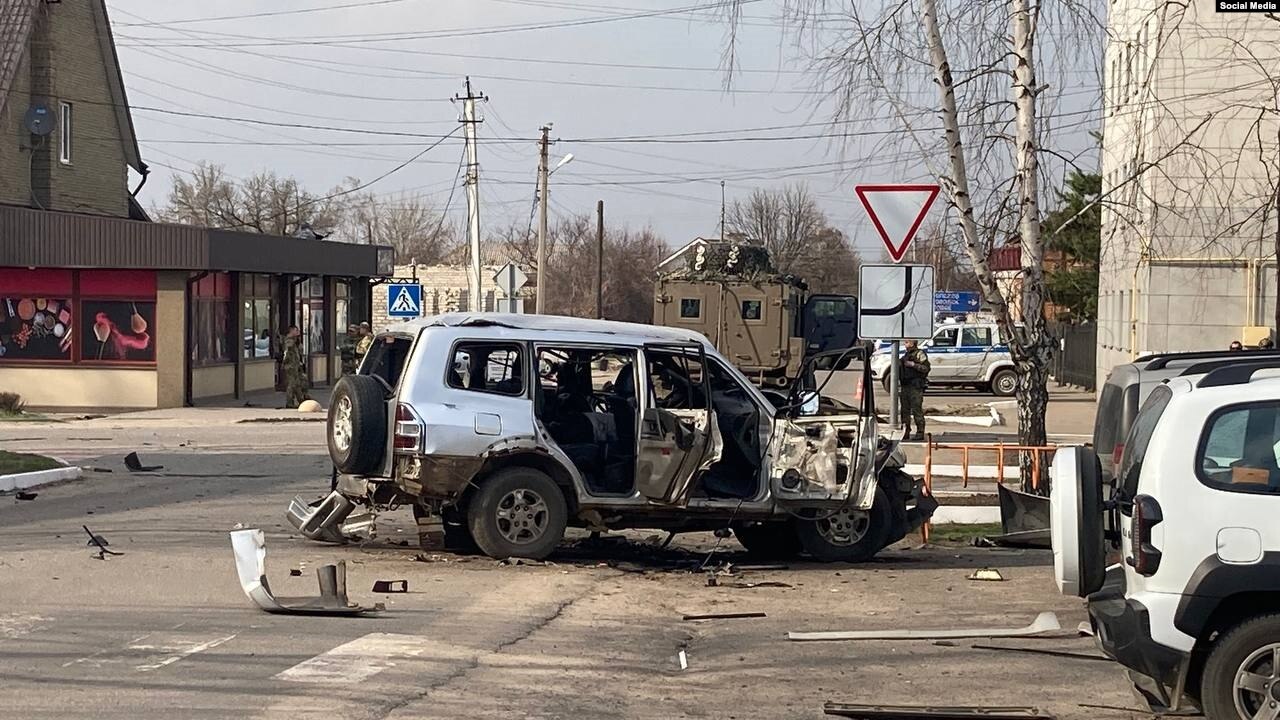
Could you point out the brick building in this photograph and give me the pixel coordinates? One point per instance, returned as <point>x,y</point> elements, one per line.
<point>100,308</point>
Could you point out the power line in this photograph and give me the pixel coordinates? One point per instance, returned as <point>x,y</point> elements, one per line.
<point>299,11</point>
<point>345,40</point>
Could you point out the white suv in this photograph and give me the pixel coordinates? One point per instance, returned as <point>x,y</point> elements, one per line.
<point>1193,606</point>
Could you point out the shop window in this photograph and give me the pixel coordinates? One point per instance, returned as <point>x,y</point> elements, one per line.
<point>35,328</point>
<point>341,310</point>
<point>309,314</point>
<point>117,330</point>
<point>258,313</point>
<point>211,320</point>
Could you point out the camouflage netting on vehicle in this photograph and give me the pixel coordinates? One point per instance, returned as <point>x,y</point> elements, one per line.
<point>721,259</point>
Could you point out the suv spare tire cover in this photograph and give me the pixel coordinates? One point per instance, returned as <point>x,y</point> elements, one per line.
<point>360,401</point>
<point>1075,521</point>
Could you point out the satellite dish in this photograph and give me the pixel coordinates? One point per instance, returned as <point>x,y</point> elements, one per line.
<point>39,119</point>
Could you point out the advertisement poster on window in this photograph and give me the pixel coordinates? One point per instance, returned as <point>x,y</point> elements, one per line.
<point>118,330</point>
<point>35,328</point>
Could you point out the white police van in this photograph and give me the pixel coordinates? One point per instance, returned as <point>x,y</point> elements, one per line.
<point>961,353</point>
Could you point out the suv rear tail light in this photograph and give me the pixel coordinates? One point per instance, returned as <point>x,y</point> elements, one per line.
<point>408,431</point>
<point>1116,455</point>
<point>1146,515</point>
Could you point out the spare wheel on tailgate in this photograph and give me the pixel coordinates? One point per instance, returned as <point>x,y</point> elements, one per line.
<point>357,431</point>
<point>1075,522</point>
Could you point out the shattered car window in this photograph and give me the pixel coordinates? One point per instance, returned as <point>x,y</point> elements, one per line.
<point>487,367</point>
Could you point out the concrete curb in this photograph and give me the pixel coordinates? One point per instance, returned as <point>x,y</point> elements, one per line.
<point>24,481</point>
<point>965,514</point>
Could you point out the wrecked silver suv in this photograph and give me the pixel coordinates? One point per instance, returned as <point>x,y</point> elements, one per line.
<point>506,429</point>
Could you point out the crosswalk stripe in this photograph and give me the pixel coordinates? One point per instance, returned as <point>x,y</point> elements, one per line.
<point>357,660</point>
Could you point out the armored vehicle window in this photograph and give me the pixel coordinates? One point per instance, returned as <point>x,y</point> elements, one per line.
<point>690,308</point>
<point>752,310</point>
<point>1238,451</point>
<point>487,367</point>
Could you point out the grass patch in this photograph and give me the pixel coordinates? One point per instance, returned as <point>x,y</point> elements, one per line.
<point>11,462</point>
<point>958,533</point>
<point>22,417</point>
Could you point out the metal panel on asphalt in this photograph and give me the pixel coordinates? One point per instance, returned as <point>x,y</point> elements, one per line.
<point>895,302</point>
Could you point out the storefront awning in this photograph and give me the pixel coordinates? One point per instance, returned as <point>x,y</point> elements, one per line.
<point>37,238</point>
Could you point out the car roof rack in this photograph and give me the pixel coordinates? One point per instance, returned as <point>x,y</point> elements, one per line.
<point>1234,373</point>
<point>1206,366</point>
<point>1159,361</point>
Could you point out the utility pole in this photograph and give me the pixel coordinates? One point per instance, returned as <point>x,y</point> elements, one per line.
<point>600,260</point>
<point>721,211</point>
<point>469,123</point>
<point>543,199</point>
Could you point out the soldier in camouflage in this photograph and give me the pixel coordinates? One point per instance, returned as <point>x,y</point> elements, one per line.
<point>914,379</point>
<point>348,350</point>
<point>295,372</point>
<point>365,342</point>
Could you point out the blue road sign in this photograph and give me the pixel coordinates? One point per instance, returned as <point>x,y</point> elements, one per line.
<point>955,302</point>
<point>404,300</point>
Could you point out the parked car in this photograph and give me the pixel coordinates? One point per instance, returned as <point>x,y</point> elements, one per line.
<point>1193,608</point>
<point>1128,386</point>
<point>961,353</point>
<point>620,426</point>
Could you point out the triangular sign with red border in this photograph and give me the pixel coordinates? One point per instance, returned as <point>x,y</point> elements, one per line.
<point>897,211</point>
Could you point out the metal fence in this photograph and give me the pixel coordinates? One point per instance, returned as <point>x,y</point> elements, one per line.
<point>1074,362</point>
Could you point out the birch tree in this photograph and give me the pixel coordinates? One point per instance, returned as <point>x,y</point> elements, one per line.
<point>874,63</point>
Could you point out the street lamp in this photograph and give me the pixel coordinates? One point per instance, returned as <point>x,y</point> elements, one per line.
<point>544,194</point>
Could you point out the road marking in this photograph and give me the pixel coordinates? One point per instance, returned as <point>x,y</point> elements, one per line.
<point>179,649</point>
<point>91,656</point>
<point>357,660</point>
<point>15,625</point>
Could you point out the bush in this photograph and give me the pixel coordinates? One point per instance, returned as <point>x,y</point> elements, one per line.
<point>11,403</point>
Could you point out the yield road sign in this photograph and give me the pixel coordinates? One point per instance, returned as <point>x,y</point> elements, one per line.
<point>897,211</point>
<point>964,301</point>
<point>510,279</point>
<point>404,300</point>
<point>895,302</point>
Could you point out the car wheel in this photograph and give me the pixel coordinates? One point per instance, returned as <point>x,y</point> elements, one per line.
<point>847,535</point>
<point>884,382</point>
<point>768,540</point>
<point>1004,383</point>
<point>517,512</point>
<point>1242,676</point>
<point>357,428</point>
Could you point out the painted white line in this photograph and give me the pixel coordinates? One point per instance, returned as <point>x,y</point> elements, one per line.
<point>14,625</point>
<point>179,651</point>
<point>103,651</point>
<point>357,660</point>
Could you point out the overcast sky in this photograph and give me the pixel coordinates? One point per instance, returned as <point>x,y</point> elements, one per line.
<point>601,70</point>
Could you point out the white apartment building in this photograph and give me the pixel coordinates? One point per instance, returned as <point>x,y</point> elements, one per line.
<point>1190,164</point>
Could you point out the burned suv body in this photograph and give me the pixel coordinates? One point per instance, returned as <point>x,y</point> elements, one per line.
<point>509,428</point>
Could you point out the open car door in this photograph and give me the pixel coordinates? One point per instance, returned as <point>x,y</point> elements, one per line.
<point>830,323</point>
<point>827,459</point>
<point>678,434</point>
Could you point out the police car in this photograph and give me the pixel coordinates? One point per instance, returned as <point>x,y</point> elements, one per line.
<point>961,353</point>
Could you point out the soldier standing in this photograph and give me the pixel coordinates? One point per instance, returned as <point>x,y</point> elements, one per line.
<point>915,378</point>
<point>348,349</point>
<point>366,342</point>
<point>295,377</point>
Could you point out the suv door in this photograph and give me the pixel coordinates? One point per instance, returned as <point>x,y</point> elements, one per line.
<point>971,355</point>
<point>944,354</point>
<point>678,436</point>
<point>827,460</point>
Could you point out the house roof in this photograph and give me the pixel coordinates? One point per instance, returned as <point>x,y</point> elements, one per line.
<point>18,20</point>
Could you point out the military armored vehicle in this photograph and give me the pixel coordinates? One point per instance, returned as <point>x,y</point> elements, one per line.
<point>765,322</point>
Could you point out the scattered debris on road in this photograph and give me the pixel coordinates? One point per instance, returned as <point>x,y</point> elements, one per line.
<point>99,542</point>
<point>726,616</point>
<point>134,464</point>
<point>295,572</point>
<point>391,586</point>
<point>24,495</point>
<point>928,712</point>
<point>249,547</point>
<point>987,575</point>
<point>684,660</point>
<point>1044,622</point>
<point>1044,651</point>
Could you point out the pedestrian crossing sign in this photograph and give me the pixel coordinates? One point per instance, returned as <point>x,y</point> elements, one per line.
<point>404,300</point>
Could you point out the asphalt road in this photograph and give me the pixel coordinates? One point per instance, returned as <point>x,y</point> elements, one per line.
<point>164,631</point>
